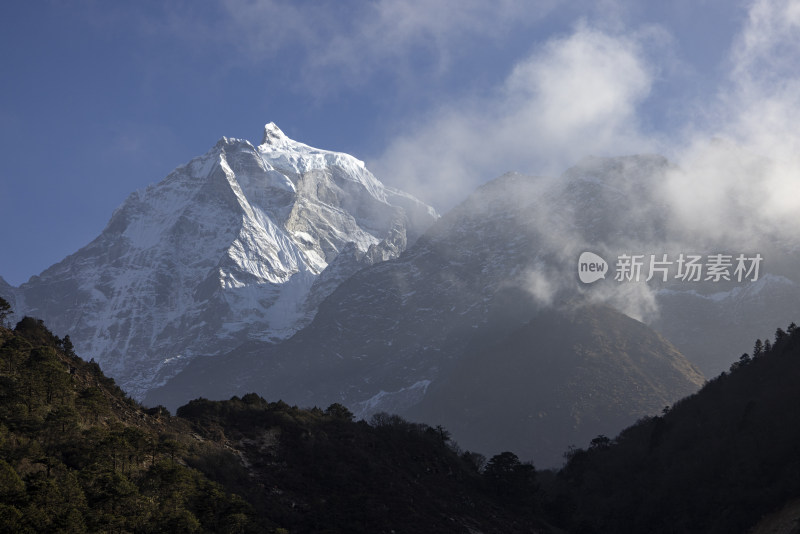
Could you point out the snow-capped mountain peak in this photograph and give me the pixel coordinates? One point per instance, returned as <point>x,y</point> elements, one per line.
<point>242,242</point>
<point>273,135</point>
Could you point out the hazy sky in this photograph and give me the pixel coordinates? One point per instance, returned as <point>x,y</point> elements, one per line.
<point>99,99</point>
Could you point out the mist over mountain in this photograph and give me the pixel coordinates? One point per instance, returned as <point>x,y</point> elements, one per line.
<point>400,336</point>
<point>240,243</point>
<point>292,272</point>
<point>404,336</point>
<point>632,206</point>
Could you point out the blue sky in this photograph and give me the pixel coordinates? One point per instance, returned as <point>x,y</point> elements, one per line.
<point>99,99</point>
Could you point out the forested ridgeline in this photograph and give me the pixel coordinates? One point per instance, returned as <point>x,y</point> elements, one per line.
<point>78,455</point>
<point>721,460</point>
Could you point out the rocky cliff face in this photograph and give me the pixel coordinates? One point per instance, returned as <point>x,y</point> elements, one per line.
<point>240,243</point>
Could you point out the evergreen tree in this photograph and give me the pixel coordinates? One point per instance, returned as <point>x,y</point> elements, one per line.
<point>5,311</point>
<point>69,349</point>
<point>779,335</point>
<point>507,476</point>
<point>758,349</point>
<point>475,460</point>
<point>339,411</point>
<point>600,442</point>
<point>12,489</point>
<point>501,465</point>
<point>444,435</point>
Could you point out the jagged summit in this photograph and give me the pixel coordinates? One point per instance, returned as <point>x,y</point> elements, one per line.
<point>229,142</point>
<point>273,135</point>
<point>242,242</point>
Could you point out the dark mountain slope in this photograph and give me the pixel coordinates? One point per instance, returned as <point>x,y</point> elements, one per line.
<point>560,379</point>
<point>718,461</point>
<point>318,471</point>
<point>394,331</point>
<point>78,455</point>
<point>389,327</point>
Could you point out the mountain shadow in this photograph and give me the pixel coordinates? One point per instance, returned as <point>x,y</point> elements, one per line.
<point>723,460</point>
<point>78,455</point>
<point>559,379</point>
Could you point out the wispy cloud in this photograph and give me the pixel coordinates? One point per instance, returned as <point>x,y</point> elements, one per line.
<point>349,45</point>
<point>587,93</point>
<point>262,29</point>
<point>576,95</point>
<point>737,173</point>
<point>740,174</point>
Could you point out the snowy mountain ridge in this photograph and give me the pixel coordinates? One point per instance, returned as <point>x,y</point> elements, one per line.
<point>228,247</point>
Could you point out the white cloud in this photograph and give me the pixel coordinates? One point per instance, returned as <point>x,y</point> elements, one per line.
<point>574,96</point>
<point>389,30</point>
<point>746,184</point>
<point>766,51</point>
<point>541,285</point>
<point>634,300</point>
<point>738,176</point>
<point>586,93</point>
<point>763,107</point>
<point>262,29</point>
<point>348,44</point>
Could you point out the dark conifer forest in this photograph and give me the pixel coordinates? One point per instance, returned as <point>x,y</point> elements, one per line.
<point>79,455</point>
<point>721,460</point>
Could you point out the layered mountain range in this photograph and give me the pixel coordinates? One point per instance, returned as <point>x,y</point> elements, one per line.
<point>429,334</point>
<point>292,272</point>
<point>404,335</point>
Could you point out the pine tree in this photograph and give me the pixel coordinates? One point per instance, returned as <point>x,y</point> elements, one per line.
<point>758,349</point>
<point>339,411</point>
<point>69,348</point>
<point>779,335</point>
<point>5,311</point>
